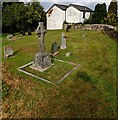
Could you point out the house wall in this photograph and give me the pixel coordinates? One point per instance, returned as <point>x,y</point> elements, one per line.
<point>55,19</point>
<point>73,15</point>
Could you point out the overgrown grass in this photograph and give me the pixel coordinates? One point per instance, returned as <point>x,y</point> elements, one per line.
<point>5,90</point>
<point>89,92</point>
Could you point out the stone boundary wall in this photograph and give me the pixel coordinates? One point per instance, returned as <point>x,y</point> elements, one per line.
<point>98,27</point>
<point>108,29</point>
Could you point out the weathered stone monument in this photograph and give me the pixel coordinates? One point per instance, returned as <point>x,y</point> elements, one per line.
<point>8,51</point>
<point>63,41</point>
<point>54,49</point>
<point>42,59</point>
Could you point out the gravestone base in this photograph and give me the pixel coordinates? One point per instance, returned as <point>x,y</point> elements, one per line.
<point>54,54</point>
<point>40,69</point>
<point>63,47</point>
<point>42,62</point>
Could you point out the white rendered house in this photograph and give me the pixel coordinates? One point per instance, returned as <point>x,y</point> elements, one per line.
<point>57,14</point>
<point>77,13</point>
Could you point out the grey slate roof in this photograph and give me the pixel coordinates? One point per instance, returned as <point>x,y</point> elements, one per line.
<point>63,7</point>
<point>81,8</point>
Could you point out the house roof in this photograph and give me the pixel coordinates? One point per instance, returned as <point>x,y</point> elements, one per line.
<point>62,7</point>
<point>81,8</point>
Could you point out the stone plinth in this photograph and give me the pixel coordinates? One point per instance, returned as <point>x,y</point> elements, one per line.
<point>41,61</point>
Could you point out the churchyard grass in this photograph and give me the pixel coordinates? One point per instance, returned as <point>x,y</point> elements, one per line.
<point>90,91</point>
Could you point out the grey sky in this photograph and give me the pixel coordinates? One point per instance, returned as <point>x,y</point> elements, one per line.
<point>90,3</point>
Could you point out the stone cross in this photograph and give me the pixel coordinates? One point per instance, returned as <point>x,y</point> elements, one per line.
<point>42,59</point>
<point>41,32</point>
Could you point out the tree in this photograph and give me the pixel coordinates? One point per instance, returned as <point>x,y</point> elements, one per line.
<point>8,20</point>
<point>112,13</point>
<point>17,16</point>
<point>99,14</point>
<point>34,13</point>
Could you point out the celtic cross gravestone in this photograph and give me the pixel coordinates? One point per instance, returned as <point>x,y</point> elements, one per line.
<point>42,59</point>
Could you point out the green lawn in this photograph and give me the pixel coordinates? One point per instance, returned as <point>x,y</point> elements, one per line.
<point>52,74</point>
<point>88,92</point>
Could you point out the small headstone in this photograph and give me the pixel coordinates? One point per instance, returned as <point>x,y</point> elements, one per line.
<point>63,41</point>
<point>9,36</point>
<point>54,49</point>
<point>8,51</point>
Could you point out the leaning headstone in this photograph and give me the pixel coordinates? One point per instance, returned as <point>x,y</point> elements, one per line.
<point>63,41</point>
<point>8,51</point>
<point>9,36</point>
<point>54,49</point>
<point>42,59</point>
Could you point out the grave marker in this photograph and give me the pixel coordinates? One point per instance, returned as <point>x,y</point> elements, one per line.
<point>8,51</point>
<point>63,41</point>
<point>54,49</point>
<point>42,59</point>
